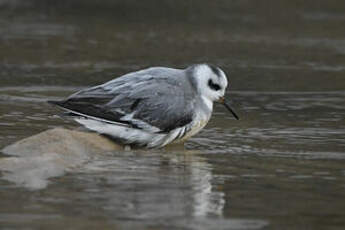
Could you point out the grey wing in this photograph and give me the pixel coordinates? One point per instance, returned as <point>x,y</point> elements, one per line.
<point>155,101</point>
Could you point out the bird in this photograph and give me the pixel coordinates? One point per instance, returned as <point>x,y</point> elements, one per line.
<point>150,108</point>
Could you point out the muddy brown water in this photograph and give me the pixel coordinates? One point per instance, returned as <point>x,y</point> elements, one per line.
<point>282,166</point>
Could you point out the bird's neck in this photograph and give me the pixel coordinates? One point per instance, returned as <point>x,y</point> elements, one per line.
<point>208,103</point>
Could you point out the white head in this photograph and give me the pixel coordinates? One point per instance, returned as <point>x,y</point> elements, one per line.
<point>211,85</point>
<point>211,81</point>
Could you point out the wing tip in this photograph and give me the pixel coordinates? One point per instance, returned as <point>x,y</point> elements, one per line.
<point>53,102</point>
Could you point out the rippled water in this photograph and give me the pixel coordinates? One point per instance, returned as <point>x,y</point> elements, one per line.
<point>284,159</point>
<point>282,166</point>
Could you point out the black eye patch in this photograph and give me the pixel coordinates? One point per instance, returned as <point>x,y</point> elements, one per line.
<point>213,86</point>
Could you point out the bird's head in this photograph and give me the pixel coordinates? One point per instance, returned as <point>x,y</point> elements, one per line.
<point>212,83</point>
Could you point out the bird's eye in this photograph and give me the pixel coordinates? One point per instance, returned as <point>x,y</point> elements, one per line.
<point>213,86</point>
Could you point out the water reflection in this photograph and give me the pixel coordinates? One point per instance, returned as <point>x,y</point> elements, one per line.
<point>207,199</point>
<point>159,184</point>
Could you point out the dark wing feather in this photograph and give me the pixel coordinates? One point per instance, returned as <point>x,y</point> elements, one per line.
<point>88,103</point>
<point>144,100</point>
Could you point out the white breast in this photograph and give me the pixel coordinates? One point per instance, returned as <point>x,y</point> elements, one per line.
<point>195,129</point>
<point>198,123</point>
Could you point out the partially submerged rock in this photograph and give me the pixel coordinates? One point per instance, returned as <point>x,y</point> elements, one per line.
<point>61,141</point>
<point>50,154</point>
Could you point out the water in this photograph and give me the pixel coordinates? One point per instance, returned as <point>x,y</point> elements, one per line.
<point>280,167</point>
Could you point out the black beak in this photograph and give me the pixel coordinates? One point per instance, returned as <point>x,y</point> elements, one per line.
<point>222,101</point>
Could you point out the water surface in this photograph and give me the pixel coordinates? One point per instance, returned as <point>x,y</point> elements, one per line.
<point>283,160</point>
